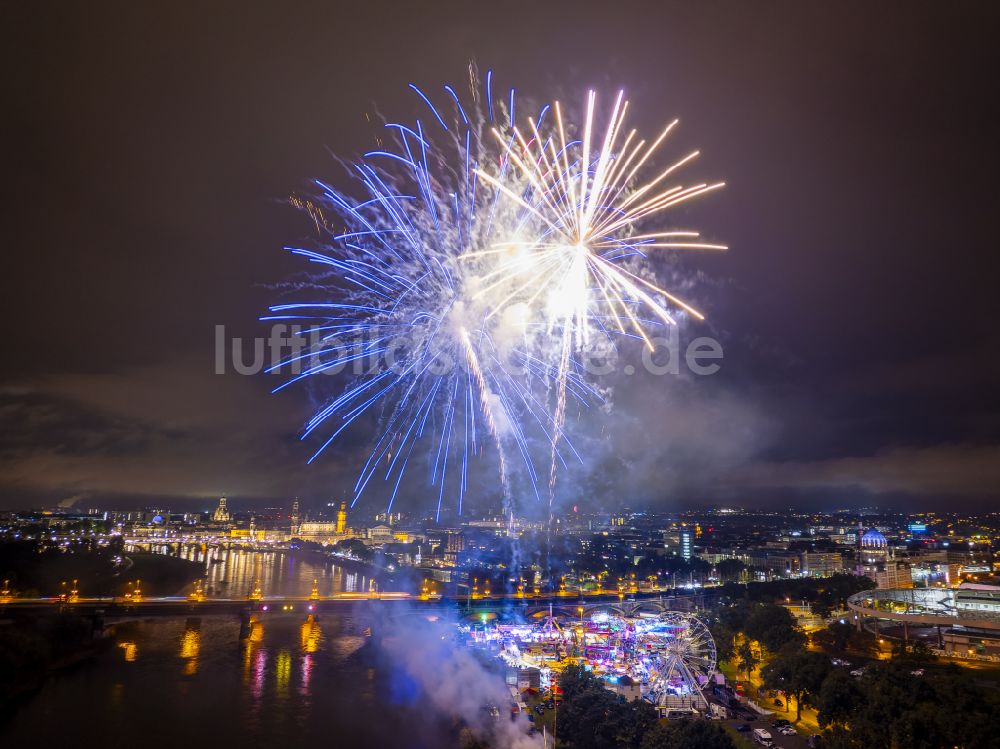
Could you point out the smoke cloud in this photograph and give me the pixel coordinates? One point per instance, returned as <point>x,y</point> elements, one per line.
<point>454,681</point>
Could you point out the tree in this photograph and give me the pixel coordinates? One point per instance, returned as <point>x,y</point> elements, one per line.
<point>725,639</point>
<point>773,626</point>
<point>735,616</point>
<point>842,637</point>
<point>355,548</point>
<point>688,734</point>
<point>730,569</point>
<point>25,657</point>
<point>592,717</point>
<point>747,659</point>
<point>821,608</point>
<point>914,652</point>
<point>583,717</point>
<point>839,698</point>
<point>834,638</point>
<point>574,680</point>
<point>799,674</point>
<point>839,737</point>
<point>965,712</point>
<point>628,723</point>
<point>894,708</point>
<point>835,589</point>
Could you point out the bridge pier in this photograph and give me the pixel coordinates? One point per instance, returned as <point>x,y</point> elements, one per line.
<point>97,624</point>
<point>246,624</point>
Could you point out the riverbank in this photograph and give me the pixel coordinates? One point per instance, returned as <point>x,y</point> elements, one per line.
<point>36,570</point>
<point>160,575</point>
<point>322,557</point>
<point>31,651</point>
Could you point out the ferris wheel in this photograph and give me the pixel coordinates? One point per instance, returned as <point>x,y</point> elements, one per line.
<point>686,662</point>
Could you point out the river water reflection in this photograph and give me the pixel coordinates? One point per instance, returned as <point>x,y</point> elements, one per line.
<point>232,573</point>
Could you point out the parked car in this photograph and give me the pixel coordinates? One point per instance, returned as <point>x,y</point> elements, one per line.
<point>743,727</point>
<point>787,731</point>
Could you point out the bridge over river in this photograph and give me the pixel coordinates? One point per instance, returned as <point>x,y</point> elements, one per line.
<point>198,605</point>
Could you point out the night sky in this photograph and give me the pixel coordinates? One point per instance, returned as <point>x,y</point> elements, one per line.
<point>150,149</point>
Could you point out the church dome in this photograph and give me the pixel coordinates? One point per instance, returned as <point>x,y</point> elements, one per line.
<point>873,539</point>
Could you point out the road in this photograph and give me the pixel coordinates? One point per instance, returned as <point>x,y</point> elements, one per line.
<point>780,742</point>
<point>807,721</point>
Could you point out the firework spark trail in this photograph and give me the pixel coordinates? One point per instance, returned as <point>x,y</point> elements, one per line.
<point>559,424</point>
<point>484,394</point>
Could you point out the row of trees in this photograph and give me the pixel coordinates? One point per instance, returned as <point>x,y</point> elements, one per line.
<point>798,673</point>
<point>753,614</point>
<point>755,633</point>
<point>824,595</point>
<point>36,567</point>
<point>737,626</point>
<point>592,717</point>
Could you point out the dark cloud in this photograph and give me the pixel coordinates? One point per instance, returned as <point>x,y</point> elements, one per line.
<point>151,148</point>
<point>176,430</point>
<point>31,419</point>
<point>939,471</point>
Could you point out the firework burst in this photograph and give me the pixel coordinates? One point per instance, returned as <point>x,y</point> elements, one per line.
<point>435,362</point>
<point>584,205</point>
<point>462,283</point>
<point>586,208</point>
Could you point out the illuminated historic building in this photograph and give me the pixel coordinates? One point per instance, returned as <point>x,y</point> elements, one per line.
<point>221,514</point>
<point>876,560</point>
<point>874,548</point>
<point>295,518</point>
<point>342,518</point>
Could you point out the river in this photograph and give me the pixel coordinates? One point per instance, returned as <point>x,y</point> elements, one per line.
<point>184,682</point>
<point>232,573</point>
